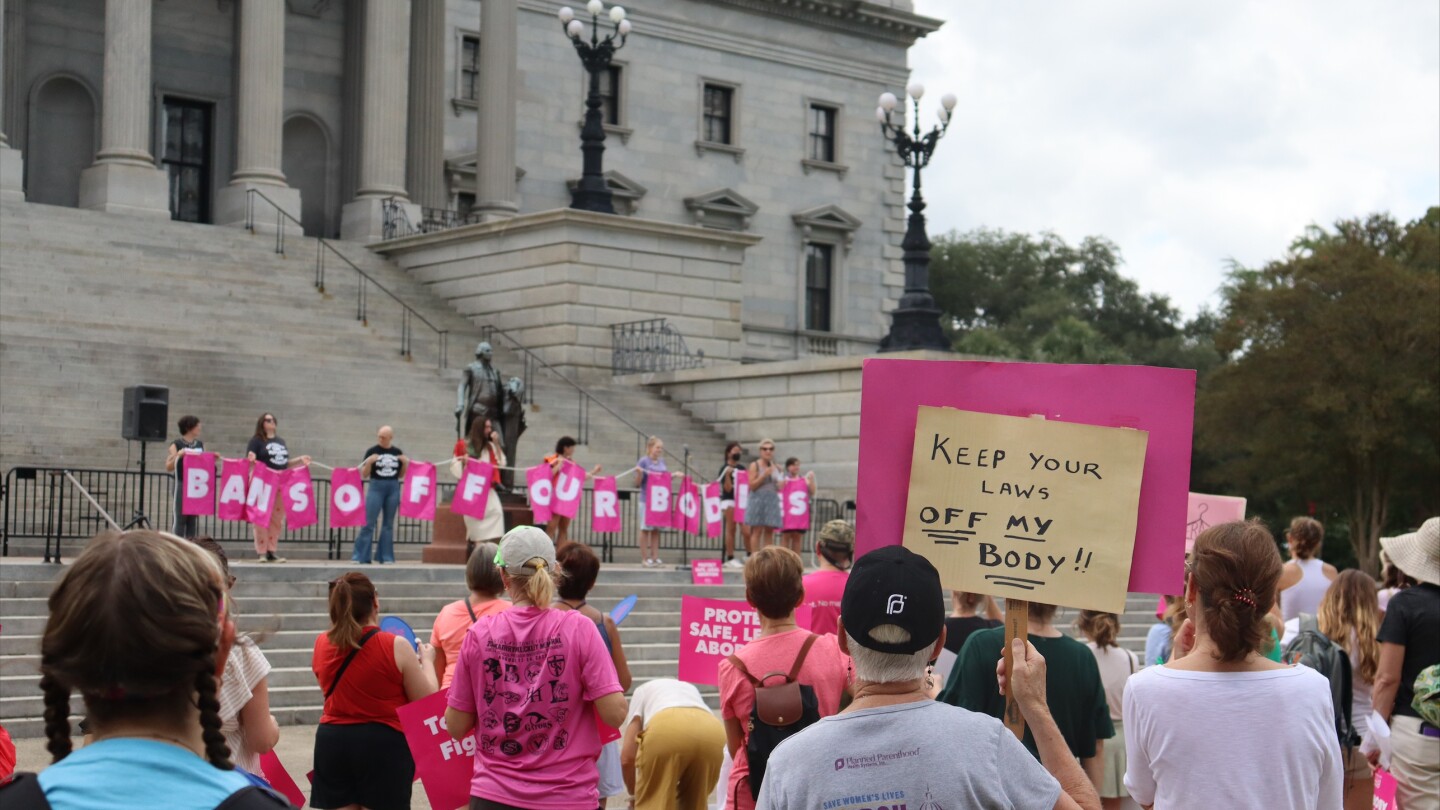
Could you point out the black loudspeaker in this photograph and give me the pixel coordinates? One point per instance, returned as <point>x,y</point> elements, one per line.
<point>147,409</point>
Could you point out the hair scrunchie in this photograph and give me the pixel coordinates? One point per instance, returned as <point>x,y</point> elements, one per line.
<point>1248,597</point>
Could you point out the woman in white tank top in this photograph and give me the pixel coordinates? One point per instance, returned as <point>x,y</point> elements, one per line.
<point>1306,578</point>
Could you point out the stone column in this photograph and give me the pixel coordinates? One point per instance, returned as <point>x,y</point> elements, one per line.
<point>259,113</point>
<point>426,166</point>
<point>12,164</point>
<point>386,80</point>
<point>124,178</point>
<point>495,126</point>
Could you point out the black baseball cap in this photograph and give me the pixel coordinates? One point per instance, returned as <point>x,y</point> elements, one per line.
<point>893,585</point>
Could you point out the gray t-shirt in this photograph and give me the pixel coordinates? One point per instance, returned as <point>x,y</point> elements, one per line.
<point>923,754</point>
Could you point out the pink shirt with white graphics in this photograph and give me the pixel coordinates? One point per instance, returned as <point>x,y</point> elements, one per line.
<point>531,676</point>
<point>823,590</point>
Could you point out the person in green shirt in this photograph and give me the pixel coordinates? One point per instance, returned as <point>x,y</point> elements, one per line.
<point>1074,691</point>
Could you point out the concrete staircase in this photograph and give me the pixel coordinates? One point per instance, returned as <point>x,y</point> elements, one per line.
<point>91,303</point>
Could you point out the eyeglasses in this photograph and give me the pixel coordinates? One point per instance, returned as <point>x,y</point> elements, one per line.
<point>269,419</point>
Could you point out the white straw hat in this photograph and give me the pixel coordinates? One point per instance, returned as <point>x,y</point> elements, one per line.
<point>1417,553</point>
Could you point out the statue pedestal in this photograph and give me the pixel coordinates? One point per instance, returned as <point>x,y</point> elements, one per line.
<point>517,510</point>
<point>447,546</point>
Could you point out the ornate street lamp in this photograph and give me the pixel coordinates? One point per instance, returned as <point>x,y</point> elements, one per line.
<point>593,193</point>
<point>915,323</point>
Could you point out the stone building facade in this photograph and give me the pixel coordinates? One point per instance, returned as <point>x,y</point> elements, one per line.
<point>752,116</point>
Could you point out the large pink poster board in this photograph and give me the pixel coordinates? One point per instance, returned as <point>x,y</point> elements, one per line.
<point>1160,401</point>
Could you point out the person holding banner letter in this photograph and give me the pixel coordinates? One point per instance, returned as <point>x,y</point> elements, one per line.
<point>792,538</point>
<point>726,477</point>
<point>384,465</point>
<point>534,679</point>
<point>652,462</point>
<point>366,674</point>
<point>456,618</point>
<point>764,514</point>
<point>186,526</point>
<point>483,443</point>
<point>559,526</point>
<point>266,447</point>
<point>1221,725</point>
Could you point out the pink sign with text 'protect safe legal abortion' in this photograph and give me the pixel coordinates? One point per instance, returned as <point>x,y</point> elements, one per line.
<point>713,629</point>
<point>1160,401</point>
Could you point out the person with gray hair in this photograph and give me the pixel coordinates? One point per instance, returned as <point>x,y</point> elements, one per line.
<point>892,624</point>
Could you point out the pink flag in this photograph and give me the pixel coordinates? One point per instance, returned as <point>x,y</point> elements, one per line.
<point>657,501</point>
<point>542,493</point>
<point>233,478</point>
<point>742,494</point>
<point>606,505</point>
<point>568,488</point>
<point>299,500</point>
<point>260,498</point>
<point>689,518</point>
<point>347,498</point>
<point>472,492</point>
<point>714,516</point>
<point>198,485</point>
<point>796,503</point>
<point>417,494</point>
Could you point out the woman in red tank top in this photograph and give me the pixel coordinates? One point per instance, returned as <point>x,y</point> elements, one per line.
<point>360,753</point>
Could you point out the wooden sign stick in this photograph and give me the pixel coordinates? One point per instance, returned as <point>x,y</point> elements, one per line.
<point>1017,625</point>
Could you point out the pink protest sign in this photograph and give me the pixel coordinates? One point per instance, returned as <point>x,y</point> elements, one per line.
<point>279,778</point>
<point>260,499</point>
<point>605,503</point>
<point>234,476</point>
<point>795,500</point>
<point>443,764</point>
<point>568,486</point>
<point>689,507</point>
<point>198,483</point>
<point>712,629</point>
<point>714,515</point>
<point>742,494</point>
<point>1204,511</point>
<point>706,572</point>
<point>417,493</point>
<point>542,492</point>
<point>347,498</point>
<point>299,498</point>
<point>657,501</point>
<point>1385,787</point>
<point>472,491</point>
<point>1160,401</point>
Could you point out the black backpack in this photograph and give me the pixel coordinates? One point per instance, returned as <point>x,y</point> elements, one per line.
<point>779,711</point>
<point>24,793</point>
<point>1316,650</point>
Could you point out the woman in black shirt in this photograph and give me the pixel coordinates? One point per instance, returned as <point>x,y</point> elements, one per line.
<point>266,447</point>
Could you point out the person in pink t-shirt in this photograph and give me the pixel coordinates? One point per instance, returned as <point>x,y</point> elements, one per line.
<point>774,586</point>
<point>533,679</point>
<point>456,618</point>
<point>834,549</point>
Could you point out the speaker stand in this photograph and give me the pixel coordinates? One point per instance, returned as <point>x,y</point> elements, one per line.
<point>140,519</point>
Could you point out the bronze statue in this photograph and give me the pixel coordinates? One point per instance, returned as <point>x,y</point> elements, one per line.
<point>512,422</point>
<point>480,394</point>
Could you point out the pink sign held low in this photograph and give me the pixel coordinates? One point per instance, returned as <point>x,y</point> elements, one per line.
<point>347,498</point>
<point>542,493</point>
<point>198,494</point>
<point>443,765</point>
<point>1385,788</point>
<point>605,506</point>
<point>568,487</point>
<point>657,501</point>
<point>706,572</point>
<point>742,494</point>
<point>417,493</point>
<point>260,499</point>
<point>280,779</point>
<point>472,491</point>
<point>234,477</point>
<point>299,498</point>
<point>795,499</point>
<point>714,515</point>
<point>712,629</point>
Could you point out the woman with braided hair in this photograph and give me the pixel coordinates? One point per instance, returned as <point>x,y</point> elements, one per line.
<point>1221,725</point>
<point>138,627</point>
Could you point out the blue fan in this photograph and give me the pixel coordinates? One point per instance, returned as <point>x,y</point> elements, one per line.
<point>397,626</point>
<point>623,609</point>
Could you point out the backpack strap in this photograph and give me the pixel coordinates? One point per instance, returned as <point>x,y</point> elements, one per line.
<point>23,792</point>
<point>471,610</point>
<point>346,664</point>
<point>800,659</point>
<point>740,665</point>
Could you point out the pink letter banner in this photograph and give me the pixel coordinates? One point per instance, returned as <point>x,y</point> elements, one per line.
<point>472,492</point>
<point>260,500</point>
<point>198,495</point>
<point>689,506</point>
<point>347,498</point>
<point>299,491</point>
<point>417,494</point>
<point>443,765</point>
<point>657,501</point>
<point>605,502</point>
<point>714,515</point>
<point>742,494</point>
<point>568,487</point>
<point>233,479</point>
<point>542,493</point>
<point>796,501</point>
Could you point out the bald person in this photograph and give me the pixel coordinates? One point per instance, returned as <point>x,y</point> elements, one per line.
<point>384,465</point>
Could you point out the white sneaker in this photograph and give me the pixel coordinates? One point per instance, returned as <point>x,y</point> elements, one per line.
<point>648,563</point>
<point>658,562</point>
<point>734,562</point>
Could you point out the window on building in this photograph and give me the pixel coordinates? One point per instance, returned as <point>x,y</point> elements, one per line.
<point>819,281</point>
<point>822,133</point>
<point>470,68</point>
<point>610,95</point>
<point>718,113</point>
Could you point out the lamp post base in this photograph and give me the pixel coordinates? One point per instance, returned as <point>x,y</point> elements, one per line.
<point>915,329</point>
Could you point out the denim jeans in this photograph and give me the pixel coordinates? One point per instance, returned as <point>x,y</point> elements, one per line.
<point>384,495</point>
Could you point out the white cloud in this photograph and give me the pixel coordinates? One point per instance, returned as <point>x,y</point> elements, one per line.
<point>1187,134</point>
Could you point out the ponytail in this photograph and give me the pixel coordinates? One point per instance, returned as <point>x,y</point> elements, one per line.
<point>1236,568</point>
<point>533,582</point>
<point>1102,628</point>
<point>352,597</point>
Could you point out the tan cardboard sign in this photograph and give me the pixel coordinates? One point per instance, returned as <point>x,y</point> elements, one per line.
<point>1025,508</point>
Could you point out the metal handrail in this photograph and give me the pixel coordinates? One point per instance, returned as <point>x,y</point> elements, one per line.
<point>409,313</point>
<point>91,498</point>
<point>652,344</point>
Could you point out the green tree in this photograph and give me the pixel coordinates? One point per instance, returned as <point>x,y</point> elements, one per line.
<point>1330,395</point>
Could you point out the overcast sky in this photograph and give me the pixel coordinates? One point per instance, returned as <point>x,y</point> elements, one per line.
<point>1187,133</point>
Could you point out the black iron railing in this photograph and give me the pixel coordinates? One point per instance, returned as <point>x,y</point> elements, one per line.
<point>365,283</point>
<point>650,345</point>
<point>432,220</point>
